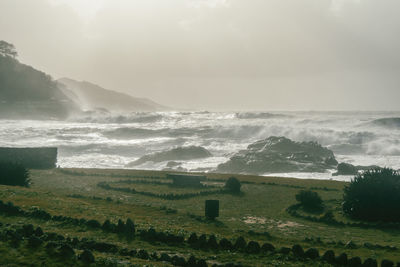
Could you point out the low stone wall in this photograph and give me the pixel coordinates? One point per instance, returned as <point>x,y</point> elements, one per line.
<point>186,180</point>
<point>32,157</point>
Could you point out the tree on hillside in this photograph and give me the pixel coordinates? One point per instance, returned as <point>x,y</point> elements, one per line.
<point>7,49</point>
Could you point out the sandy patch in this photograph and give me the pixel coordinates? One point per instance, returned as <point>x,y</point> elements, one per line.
<point>254,220</point>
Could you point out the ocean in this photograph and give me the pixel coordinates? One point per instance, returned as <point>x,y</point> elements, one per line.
<point>104,140</point>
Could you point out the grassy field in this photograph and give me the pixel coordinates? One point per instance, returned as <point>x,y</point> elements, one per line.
<point>258,214</point>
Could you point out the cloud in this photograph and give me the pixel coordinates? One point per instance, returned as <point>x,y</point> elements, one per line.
<point>232,50</point>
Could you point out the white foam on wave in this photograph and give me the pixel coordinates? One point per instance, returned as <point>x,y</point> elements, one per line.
<point>113,140</point>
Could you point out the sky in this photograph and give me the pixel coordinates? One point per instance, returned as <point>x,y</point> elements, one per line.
<point>218,54</point>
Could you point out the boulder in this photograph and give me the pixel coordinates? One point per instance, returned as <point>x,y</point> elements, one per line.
<point>66,252</point>
<point>329,256</point>
<point>34,241</point>
<point>86,256</point>
<point>298,250</point>
<point>284,250</point>
<point>349,169</point>
<point>346,169</point>
<point>179,153</point>
<point>341,259</point>
<point>280,154</point>
<point>370,263</point>
<point>354,262</point>
<point>267,247</point>
<point>312,253</point>
<point>253,247</point>
<point>387,263</point>
<point>225,244</point>
<point>240,243</point>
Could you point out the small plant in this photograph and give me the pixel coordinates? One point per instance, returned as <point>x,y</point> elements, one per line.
<point>310,200</point>
<point>233,185</point>
<point>373,195</point>
<point>14,174</point>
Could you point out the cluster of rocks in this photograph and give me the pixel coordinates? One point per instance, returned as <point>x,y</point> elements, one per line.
<point>56,245</point>
<point>167,196</point>
<point>178,153</point>
<point>280,154</point>
<point>64,248</point>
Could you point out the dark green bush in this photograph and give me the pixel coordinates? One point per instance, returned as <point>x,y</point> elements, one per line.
<point>309,200</point>
<point>233,185</point>
<point>374,196</point>
<point>14,174</point>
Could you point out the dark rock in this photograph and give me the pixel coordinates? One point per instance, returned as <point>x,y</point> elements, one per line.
<point>279,154</point>
<point>370,263</point>
<point>284,250</point>
<point>38,231</point>
<point>129,228</point>
<point>93,224</point>
<point>192,261</point>
<point>212,242</point>
<point>120,226</point>
<point>124,252</point>
<point>143,254</point>
<point>329,256</point>
<point>103,247</point>
<point>225,244</point>
<point>178,261</point>
<point>192,238</point>
<point>354,262</point>
<point>28,230</point>
<point>179,153</point>
<point>165,257</point>
<point>74,241</point>
<point>312,253</point>
<point>267,247</point>
<point>298,250</point>
<point>202,241</point>
<point>202,263</point>
<point>351,245</point>
<point>341,259</point>
<point>253,247</point>
<point>66,252</point>
<point>240,243</point>
<point>34,241</point>
<point>387,263</point>
<point>154,256</point>
<point>107,226</point>
<point>345,169</point>
<point>86,256</point>
<point>51,246</point>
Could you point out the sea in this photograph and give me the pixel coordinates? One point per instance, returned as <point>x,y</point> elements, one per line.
<point>105,140</point>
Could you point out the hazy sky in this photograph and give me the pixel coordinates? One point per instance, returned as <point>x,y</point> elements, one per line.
<point>218,54</point>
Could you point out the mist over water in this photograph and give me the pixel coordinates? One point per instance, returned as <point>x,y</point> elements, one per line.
<point>102,140</point>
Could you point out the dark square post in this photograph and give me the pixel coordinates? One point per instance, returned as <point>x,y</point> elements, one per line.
<point>212,209</point>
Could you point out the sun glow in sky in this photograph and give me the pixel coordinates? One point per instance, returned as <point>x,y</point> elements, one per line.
<point>86,9</point>
<point>218,54</point>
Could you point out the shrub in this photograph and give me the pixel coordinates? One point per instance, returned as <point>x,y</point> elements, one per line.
<point>310,200</point>
<point>233,185</point>
<point>14,174</point>
<point>373,195</point>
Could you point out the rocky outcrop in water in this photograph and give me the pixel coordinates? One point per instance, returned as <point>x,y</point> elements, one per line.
<point>387,122</point>
<point>179,153</point>
<point>349,169</point>
<point>280,154</point>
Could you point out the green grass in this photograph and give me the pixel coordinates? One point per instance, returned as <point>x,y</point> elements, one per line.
<point>261,208</point>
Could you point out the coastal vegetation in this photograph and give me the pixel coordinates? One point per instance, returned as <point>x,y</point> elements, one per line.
<point>374,195</point>
<point>66,218</point>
